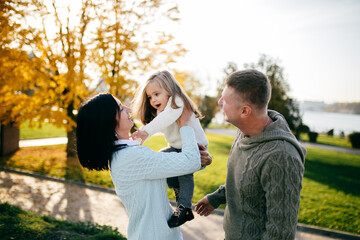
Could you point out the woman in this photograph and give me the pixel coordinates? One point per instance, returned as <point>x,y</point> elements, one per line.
<point>138,173</point>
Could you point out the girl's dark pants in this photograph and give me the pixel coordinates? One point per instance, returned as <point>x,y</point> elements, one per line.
<point>185,183</point>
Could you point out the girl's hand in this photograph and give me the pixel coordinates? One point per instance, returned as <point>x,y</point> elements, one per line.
<point>139,134</point>
<point>183,120</point>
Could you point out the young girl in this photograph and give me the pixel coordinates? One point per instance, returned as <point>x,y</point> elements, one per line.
<point>158,104</point>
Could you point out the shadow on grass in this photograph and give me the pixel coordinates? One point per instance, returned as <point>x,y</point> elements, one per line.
<point>16,223</point>
<point>341,178</point>
<point>70,198</point>
<point>4,159</point>
<point>62,202</point>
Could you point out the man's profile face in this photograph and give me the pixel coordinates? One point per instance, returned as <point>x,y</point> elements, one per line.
<point>230,104</point>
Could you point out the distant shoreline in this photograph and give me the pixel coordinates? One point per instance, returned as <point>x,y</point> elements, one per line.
<point>346,108</point>
<point>340,112</point>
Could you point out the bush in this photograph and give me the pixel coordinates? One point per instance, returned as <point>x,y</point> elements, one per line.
<point>312,136</point>
<point>342,134</point>
<point>330,133</point>
<point>302,128</point>
<point>208,108</point>
<point>354,138</point>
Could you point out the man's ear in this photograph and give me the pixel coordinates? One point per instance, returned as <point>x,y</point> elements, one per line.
<point>246,111</point>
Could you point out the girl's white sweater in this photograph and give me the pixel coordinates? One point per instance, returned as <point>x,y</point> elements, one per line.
<point>165,122</point>
<point>139,176</point>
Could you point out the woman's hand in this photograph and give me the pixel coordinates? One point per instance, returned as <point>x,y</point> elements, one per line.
<point>184,119</point>
<point>206,158</point>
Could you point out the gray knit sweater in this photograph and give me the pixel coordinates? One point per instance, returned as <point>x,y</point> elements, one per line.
<point>263,184</point>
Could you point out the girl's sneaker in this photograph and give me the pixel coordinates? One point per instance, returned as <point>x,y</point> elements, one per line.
<point>180,216</point>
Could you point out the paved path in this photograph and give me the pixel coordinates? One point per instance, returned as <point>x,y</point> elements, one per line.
<point>79,202</point>
<point>42,141</point>
<point>63,140</point>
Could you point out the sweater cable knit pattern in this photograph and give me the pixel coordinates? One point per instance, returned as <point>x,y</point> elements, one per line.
<point>263,184</point>
<point>139,176</point>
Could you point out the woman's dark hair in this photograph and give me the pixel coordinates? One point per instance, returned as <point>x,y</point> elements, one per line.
<point>95,132</point>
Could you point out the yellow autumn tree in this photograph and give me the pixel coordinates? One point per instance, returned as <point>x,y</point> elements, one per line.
<point>54,53</point>
<point>190,83</point>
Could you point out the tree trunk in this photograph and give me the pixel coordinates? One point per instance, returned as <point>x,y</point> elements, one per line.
<point>9,139</point>
<point>71,144</point>
<point>74,170</point>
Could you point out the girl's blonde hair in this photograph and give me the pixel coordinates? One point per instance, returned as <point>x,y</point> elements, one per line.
<point>141,105</point>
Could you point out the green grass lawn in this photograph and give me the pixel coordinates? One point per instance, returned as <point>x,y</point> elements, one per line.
<point>16,223</point>
<point>331,190</point>
<point>331,187</point>
<point>47,130</point>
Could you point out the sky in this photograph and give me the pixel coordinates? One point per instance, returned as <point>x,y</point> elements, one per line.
<point>316,42</point>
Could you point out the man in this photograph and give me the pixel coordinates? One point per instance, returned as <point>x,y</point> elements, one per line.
<point>265,167</point>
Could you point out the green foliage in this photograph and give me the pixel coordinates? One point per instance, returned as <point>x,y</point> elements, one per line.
<point>279,101</point>
<point>18,224</point>
<point>330,133</point>
<point>302,128</point>
<point>208,108</point>
<point>229,68</point>
<point>354,138</point>
<point>313,136</point>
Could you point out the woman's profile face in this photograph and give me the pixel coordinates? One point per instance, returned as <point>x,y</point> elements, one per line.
<point>124,121</point>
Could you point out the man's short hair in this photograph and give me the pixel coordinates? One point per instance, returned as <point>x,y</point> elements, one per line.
<point>252,86</point>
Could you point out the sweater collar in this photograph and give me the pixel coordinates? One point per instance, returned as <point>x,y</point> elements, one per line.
<point>277,130</point>
<point>128,142</point>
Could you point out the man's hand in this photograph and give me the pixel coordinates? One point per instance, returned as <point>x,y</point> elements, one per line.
<point>203,207</point>
<point>206,157</point>
<point>139,134</point>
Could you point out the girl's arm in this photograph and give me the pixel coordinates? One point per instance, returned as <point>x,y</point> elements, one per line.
<point>172,164</point>
<point>139,163</point>
<point>164,118</point>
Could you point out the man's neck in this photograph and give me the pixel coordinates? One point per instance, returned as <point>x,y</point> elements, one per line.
<point>253,126</point>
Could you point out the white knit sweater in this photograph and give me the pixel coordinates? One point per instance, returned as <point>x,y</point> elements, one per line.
<point>139,176</point>
<point>165,122</point>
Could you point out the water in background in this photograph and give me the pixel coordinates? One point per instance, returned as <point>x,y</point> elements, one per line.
<point>321,121</point>
<point>325,121</point>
